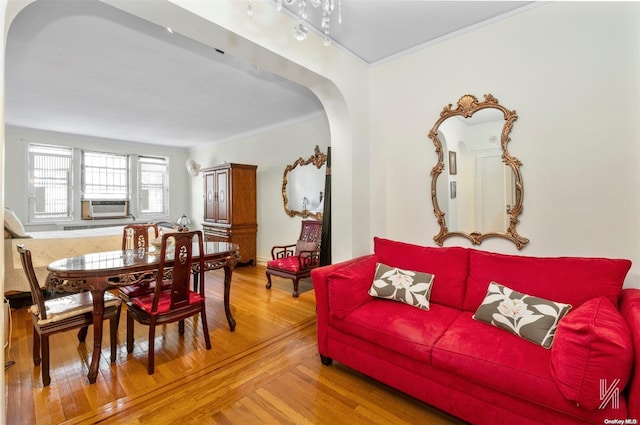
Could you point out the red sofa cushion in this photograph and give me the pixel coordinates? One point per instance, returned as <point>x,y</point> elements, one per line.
<point>592,343</point>
<point>569,280</point>
<point>348,287</point>
<point>449,265</point>
<point>398,327</point>
<point>502,361</point>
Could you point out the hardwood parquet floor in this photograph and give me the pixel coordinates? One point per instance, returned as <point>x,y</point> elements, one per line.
<point>266,372</point>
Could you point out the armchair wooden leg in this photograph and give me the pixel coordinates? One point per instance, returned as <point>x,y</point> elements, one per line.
<point>36,347</point>
<point>181,327</point>
<point>46,378</point>
<point>129,333</point>
<point>268,285</point>
<point>296,281</point>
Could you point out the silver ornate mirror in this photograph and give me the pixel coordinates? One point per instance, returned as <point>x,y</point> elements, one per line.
<point>303,186</point>
<point>476,185</point>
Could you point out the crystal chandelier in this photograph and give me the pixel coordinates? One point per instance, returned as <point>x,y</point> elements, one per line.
<point>300,31</point>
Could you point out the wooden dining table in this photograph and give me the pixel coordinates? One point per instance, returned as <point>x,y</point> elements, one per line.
<point>101,271</point>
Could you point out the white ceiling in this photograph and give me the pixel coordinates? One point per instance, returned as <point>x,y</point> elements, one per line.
<point>375,30</point>
<point>87,68</point>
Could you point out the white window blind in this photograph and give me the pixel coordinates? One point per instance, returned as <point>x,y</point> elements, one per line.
<point>153,185</point>
<point>50,170</point>
<point>105,175</point>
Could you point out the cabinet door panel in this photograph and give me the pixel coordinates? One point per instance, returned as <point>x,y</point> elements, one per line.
<point>209,197</point>
<point>223,198</point>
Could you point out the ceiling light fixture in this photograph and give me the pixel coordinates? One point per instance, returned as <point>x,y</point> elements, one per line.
<point>300,31</point>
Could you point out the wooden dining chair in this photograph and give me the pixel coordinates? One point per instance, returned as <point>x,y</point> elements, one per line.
<point>295,261</point>
<point>142,236</point>
<point>176,303</point>
<point>62,314</point>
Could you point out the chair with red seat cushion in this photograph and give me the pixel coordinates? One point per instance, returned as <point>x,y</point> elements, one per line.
<point>176,303</point>
<point>141,235</point>
<point>296,261</point>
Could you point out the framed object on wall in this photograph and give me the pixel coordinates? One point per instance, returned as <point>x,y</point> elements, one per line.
<point>453,168</point>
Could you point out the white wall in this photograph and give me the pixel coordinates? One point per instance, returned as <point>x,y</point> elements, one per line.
<point>16,145</point>
<point>271,150</point>
<point>571,70</point>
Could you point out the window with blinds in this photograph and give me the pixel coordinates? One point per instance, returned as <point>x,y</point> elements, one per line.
<point>153,186</point>
<point>50,173</point>
<point>105,176</point>
<point>57,175</point>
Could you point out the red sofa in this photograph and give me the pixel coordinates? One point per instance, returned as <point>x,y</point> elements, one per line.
<point>476,371</point>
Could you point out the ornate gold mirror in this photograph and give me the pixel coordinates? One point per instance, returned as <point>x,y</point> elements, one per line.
<point>476,185</point>
<point>303,186</point>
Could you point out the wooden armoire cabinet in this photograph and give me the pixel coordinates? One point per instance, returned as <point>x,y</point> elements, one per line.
<point>230,211</point>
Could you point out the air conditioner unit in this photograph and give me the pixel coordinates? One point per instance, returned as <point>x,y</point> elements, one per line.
<point>104,209</point>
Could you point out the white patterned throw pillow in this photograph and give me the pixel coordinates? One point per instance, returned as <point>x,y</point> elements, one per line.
<point>532,318</point>
<point>409,287</point>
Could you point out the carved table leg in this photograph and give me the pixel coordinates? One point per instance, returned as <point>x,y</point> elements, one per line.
<point>98,315</point>
<point>227,290</point>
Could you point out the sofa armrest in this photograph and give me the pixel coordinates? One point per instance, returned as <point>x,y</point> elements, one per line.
<point>320,279</point>
<point>630,310</point>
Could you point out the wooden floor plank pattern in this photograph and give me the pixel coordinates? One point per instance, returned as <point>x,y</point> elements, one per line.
<point>266,372</point>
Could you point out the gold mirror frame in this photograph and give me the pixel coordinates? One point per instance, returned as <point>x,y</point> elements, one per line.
<point>318,159</point>
<point>467,106</point>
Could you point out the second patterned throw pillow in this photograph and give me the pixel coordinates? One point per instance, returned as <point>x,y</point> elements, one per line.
<point>532,318</point>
